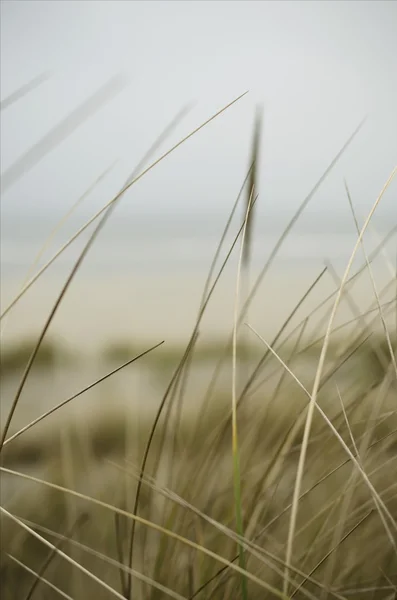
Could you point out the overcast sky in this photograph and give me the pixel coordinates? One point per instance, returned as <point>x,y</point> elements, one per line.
<point>317,67</point>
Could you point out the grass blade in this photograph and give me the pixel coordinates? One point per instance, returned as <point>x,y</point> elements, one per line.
<point>24,90</point>
<point>74,396</point>
<point>62,131</point>
<point>235,447</point>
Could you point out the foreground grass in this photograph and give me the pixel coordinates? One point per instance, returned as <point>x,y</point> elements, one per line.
<point>100,457</point>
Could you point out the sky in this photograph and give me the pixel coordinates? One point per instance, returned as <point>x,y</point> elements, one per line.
<point>316,68</point>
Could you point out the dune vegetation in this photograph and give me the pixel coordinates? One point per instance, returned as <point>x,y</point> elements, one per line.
<point>278,481</point>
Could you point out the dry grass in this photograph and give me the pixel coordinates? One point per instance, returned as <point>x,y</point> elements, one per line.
<point>151,505</point>
<point>102,455</point>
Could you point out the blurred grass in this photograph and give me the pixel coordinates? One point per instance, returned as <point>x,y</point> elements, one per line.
<point>14,357</point>
<point>169,356</point>
<point>106,430</point>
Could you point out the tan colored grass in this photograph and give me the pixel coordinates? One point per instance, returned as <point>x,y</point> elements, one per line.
<point>143,505</point>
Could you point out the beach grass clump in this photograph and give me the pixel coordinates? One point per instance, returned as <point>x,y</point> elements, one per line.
<point>271,478</point>
<point>188,490</point>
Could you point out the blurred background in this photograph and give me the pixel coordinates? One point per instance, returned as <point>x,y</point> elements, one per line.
<point>92,94</point>
<point>87,88</point>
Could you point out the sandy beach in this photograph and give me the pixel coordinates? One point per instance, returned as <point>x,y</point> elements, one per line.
<point>150,307</point>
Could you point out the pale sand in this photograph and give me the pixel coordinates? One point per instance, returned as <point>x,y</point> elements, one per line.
<point>150,307</point>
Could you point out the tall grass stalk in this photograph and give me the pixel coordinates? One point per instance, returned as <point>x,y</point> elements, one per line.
<point>235,445</point>
<point>313,395</point>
